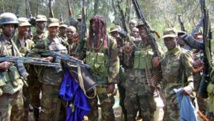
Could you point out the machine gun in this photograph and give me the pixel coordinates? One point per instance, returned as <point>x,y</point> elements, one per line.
<point>20,61</point>
<point>122,17</point>
<point>151,39</point>
<point>82,29</point>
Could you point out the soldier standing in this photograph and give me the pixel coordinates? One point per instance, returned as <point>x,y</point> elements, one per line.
<point>34,84</point>
<point>11,96</point>
<point>49,77</point>
<point>102,56</point>
<point>138,84</point>
<point>114,31</point>
<point>24,45</point>
<point>177,72</point>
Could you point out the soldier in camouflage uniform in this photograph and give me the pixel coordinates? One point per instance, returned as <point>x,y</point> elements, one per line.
<point>62,34</point>
<point>102,56</point>
<point>177,72</point>
<point>138,84</point>
<point>49,77</point>
<point>35,85</point>
<point>114,31</point>
<point>11,96</point>
<point>24,45</point>
<point>73,42</point>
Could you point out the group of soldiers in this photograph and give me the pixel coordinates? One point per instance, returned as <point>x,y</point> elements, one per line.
<point>123,59</point>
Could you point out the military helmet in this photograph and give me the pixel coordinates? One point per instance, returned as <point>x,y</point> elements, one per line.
<point>23,22</point>
<point>41,18</point>
<point>8,18</point>
<point>53,22</point>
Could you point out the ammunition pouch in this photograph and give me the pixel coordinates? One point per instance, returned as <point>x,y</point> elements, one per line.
<point>143,59</point>
<point>97,62</point>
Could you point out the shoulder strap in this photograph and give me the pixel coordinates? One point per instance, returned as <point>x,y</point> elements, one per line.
<point>182,74</point>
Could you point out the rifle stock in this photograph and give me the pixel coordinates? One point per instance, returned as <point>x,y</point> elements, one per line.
<point>51,15</point>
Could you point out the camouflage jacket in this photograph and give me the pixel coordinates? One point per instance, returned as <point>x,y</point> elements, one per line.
<point>48,75</point>
<point>9,79</point>
<point>177,67</point>
<point>105,62</point>
<point>24,49</point>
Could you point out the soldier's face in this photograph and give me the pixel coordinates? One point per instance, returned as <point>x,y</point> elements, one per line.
<point>115,34</point>
<point>62,30</point>
<point>180,41</point>
<point>131,26</point>
<point>70,33</point>
<point>8,29</point>
<point>135,33</point>
<point>41,24</point>
<point>53,31</point>
<point>142,32</point>
<point>23,30</point>
<point>170,42</point>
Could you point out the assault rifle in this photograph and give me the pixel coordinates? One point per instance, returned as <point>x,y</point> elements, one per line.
<point>20,61</point>
<point>69,8</point>
<point>51,15</point>
<point>122,17</point>
<point>17,10</point>
<point>181,23</point>
<point>151,39</point>
<point>61,56</point>
<point>82,29</point>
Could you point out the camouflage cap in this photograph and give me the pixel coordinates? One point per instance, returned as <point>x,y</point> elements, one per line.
<point>23,21</point>
<point>140,24</point>
<point>63,25</point>
<point>179,32</point>
<point>115,29</point>
<point>169,32</point>
<point>53,22</point>
<point>41,18</point>
<point>133,21</point>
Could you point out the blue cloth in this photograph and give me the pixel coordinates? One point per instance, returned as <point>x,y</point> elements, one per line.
<point>187,110</point>
<point>78,105</point>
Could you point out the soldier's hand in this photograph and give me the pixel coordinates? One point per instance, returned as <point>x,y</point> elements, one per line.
<point>187,90</point>
<point>111,88</point>
<point>4,65</point>
<point>198,66</point>
<point>49,58</point>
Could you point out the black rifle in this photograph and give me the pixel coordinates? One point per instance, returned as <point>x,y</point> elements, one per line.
<point>51,15</point>
<point>181,23</point>
<point>69,8</point>
<point>207,36</point>
<point>20,61</point>
<point>150,37</point>
<point>82,29</point>
<point>17,10</point>
<point>122,17</point>
<point>61,56</point>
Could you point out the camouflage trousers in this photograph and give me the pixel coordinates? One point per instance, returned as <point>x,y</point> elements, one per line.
<point>11,107</point>
<point>139,95</point>
<point>51,104</point>
<point>171,109</point>
<point>34,96</point>
<point>106,103</point>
